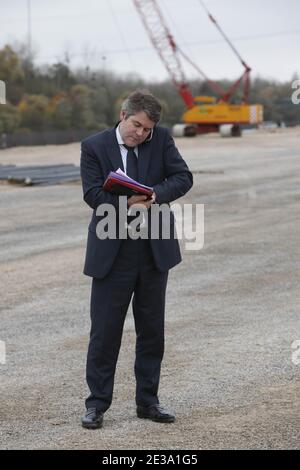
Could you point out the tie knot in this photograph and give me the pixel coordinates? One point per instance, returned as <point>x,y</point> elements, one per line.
<point>127,147</point>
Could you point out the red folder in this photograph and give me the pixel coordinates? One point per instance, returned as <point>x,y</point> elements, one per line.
<point>122,185</point>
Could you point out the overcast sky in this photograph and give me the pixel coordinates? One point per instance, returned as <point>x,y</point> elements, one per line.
<point>109,34</point>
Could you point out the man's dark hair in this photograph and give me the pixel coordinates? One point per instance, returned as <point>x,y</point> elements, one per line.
<point>142,100</point>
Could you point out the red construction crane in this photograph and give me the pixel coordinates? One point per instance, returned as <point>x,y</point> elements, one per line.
<point>204,116</point>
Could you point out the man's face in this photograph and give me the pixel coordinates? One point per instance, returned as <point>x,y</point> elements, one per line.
<point>136,128</point>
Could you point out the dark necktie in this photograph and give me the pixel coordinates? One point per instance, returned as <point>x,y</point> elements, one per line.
<point>132,171</point>
<point>131,163</point>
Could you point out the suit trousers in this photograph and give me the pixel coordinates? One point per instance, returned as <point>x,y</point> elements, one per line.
<point>133,274</point>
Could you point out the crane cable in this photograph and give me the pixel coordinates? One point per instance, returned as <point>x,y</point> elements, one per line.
<point>215,86</point>
<point>224,35</point>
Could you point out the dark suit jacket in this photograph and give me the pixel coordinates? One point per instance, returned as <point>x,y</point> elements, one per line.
<point>160,165</point>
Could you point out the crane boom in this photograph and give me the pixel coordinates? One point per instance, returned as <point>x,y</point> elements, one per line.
<point>165,45</point>
<point>169,51</point>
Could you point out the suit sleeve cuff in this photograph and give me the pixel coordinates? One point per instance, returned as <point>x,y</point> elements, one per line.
<point>159,194</point>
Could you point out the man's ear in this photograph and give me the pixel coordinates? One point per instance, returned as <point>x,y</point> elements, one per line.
<point>122,114</point>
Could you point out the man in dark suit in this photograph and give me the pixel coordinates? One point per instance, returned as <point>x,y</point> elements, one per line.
<point>122,268</point>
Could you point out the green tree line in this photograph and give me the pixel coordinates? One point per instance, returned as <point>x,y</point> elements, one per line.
<point>55,97</point>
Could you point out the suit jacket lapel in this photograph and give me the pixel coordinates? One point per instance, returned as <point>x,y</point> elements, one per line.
<point>113,150</point>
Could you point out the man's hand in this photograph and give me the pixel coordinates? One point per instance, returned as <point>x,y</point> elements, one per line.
<point>141,201</point>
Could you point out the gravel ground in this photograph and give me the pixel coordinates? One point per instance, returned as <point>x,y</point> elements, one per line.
<point>232,308</point>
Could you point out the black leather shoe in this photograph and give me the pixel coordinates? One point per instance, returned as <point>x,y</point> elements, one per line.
<point>155,413</point>
<point>93,419</point>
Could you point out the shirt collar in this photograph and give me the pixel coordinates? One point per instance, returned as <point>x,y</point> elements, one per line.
<point>118,135</point>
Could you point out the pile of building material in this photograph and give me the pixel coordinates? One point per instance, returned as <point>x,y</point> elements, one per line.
<point>39,174</point>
